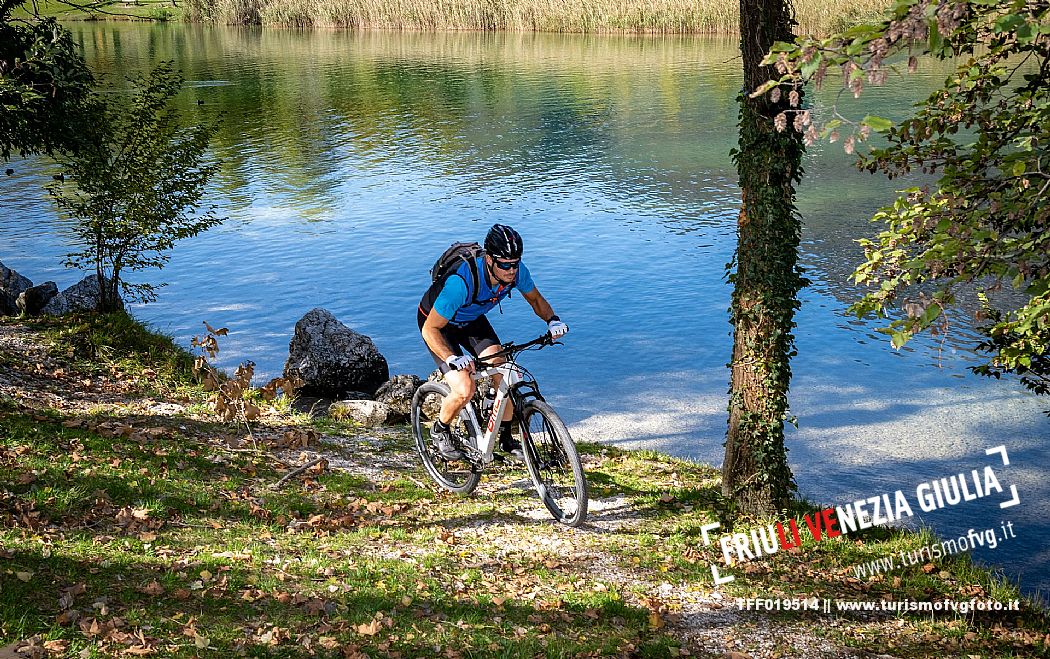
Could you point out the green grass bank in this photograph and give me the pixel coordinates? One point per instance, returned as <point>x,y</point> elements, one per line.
<point>583,16</point>
<point>132,523</point>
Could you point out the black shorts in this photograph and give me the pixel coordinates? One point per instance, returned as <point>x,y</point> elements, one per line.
<point>475,336</point>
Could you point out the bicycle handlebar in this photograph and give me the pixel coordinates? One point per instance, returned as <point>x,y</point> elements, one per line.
<point>509,349</point>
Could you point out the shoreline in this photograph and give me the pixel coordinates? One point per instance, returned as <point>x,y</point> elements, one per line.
<point>604,17</point>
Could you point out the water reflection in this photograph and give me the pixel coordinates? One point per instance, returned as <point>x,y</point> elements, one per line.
<point>350,160</point>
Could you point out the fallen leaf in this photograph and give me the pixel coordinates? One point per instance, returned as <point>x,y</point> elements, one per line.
<point>65,601</point>
<point>24,576</point>
<point>57,646</point>
<point>656,621</point>
<point>328,642</point>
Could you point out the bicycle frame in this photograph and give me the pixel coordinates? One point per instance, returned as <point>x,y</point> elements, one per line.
<point>486,441</point>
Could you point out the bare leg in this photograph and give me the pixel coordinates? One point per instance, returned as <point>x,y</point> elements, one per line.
<point>508,414</point>
<point>461,386</point>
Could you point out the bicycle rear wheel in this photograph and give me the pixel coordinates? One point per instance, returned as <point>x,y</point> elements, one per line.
<point>553,463</point>
<point>458,476</point>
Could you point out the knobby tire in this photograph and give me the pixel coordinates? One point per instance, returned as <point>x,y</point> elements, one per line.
<point>553,463</point>
<point>457,476</point>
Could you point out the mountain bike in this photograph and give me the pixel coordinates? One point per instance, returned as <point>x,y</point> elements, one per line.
<point>550,454</point>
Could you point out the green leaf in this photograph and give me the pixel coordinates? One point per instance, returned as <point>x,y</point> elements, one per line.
<point>877,124</point>
<point>936,42</point>
<point>1039,287</point>
<point>1019,168</point>
<point>1008,23</point>
<point>763,88</point>
<point>783,47</point>
<point>810,67</point>
<point>898,339</point>
<point>930,314</point>
<point>862,32</point>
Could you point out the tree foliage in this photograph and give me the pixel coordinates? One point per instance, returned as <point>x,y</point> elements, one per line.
<point>137,189</point>
<point>985,133</point>
<point>44,84</point>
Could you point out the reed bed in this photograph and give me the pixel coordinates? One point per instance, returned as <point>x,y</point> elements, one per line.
<point>590,16</point>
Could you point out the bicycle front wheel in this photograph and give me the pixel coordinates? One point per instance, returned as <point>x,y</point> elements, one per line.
<point>457,476</point>
<point>553,463</point>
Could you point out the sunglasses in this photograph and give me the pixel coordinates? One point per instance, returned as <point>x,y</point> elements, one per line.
<point>508,265</point>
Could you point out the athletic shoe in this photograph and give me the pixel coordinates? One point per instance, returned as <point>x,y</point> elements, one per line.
<point>445,446</point>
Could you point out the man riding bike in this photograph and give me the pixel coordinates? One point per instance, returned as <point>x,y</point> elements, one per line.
<point>451,318</point>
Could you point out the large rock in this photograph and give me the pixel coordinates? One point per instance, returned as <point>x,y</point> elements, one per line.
<point>86,296</point>
<point>33,299</point>
<point>368,413</point>
<point>397,393</point>
<point>333,359</point>
<point>12,285</point>
<point>56,306</point>
<point>81,296</point>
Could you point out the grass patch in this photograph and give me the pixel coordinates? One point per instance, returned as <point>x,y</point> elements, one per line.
<point>153,10</point>
<point>116,341</point>
<point>611,16</point>
<point>240,578</point>
<point>176,544</point>
<point>587,16</point>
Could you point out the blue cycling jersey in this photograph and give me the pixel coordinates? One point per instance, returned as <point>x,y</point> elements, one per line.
<point>455,302</point>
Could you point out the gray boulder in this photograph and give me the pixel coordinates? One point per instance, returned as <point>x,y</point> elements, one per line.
<point>33,299</point>
<point>397,394</point>
<point>333,359</point>
<point>368,413</point>
<point>56,306</point>
<point>356,395</point>
<point>12,285</point>
<point>81,296</point>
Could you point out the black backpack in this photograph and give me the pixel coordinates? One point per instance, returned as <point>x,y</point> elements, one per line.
<point>451,259</point>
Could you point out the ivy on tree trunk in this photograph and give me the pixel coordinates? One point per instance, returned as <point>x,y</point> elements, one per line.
<point>766,280</point>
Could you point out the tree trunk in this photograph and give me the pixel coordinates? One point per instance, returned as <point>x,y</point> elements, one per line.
<point>755,474</point>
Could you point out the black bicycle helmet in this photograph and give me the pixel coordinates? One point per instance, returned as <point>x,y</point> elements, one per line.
<point>502,242</point>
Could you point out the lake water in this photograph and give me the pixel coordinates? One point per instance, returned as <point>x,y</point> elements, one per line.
<point>351,160</point>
